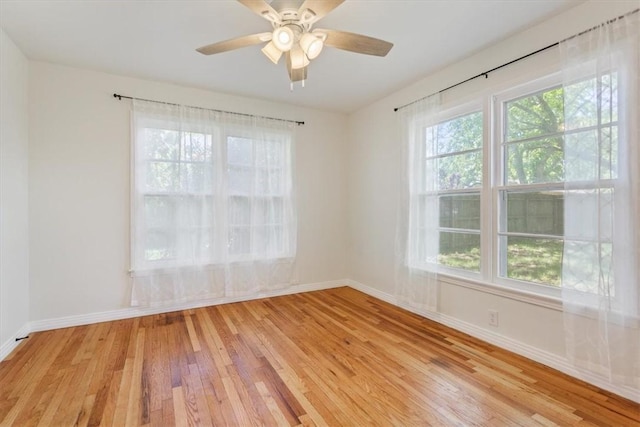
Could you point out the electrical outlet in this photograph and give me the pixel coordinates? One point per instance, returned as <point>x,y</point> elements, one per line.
<point>493,317</point>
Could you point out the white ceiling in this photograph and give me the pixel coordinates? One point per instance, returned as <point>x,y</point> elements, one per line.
<point>157,40</point>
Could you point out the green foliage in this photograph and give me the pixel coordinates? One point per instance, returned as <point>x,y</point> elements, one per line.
<point>456,167</point>
<point>465,260</point>
<point>530,260</point>
<point>535,260</point>
<point>533,128</point>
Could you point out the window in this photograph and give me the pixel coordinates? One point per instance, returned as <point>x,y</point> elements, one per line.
<point>258,194</point>
<point>177,182</point>
<point>534,184</point>
<point>497,209</point>
<point>448,188</point>
<point>209,193</point>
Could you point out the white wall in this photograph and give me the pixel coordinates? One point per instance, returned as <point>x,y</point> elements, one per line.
<point>374,178</point>
<point>79,186</point>
<point>14,232</point>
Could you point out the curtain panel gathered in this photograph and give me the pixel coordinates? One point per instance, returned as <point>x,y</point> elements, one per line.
<point>417,231</point>
<point>601,274</point>
<point>213,210</point>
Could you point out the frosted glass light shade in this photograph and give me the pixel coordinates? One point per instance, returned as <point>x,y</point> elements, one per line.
<point>283,38</point>
<point>272,52</point>
<point>311,45</point>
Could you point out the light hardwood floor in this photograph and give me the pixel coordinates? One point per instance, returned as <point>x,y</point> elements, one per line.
<point>334,357</point>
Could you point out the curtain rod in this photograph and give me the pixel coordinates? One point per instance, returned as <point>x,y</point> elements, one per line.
<point>120,97</point>
<point>486,73</point>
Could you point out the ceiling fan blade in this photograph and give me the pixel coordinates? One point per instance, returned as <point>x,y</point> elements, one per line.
<point>236,43</point>
<point>297,74</point>
<point>262,8</point>
<point>319,7</point>
<point>356,42</point>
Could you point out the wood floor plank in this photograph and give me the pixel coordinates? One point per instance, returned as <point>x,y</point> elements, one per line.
<point>334,357</point>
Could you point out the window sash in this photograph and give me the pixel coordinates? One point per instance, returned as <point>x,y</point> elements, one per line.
<point>421,190</point>
<point>566,184</point>
<point>215,228</point>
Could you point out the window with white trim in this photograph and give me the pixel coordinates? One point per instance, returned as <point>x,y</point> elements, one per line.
<point>534,184</point>
<point>212,196</point>
<point>447,191</point>
<point>511,230</point>
<point>258,197</point>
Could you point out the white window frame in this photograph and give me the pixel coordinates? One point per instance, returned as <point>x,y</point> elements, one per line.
<point>219,235</point>
<point>286,197</point>
<point>491,103</point>
<point>449,113</point>
<point>498,102</point>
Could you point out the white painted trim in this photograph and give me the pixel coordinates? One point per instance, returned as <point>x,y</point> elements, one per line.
<point>11,344</point>
<point>541,300</point>
<point>546,358</point>
<point>126,313</point>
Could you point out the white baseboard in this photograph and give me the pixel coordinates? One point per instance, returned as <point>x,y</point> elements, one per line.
<point>546,358</point>
<point>10,345</point>
<point>127,313</point>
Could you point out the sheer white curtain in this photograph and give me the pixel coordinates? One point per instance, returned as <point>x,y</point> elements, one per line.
<point>417,235</point>
<point>212,204</point>
<point>601,277</point>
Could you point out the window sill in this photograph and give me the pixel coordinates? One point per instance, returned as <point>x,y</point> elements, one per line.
<point>547,301</point>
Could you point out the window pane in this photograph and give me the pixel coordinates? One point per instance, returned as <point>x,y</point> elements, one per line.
<point>159,245</point>
<point>269,154</point>
<point>195,147</point>
<point>535,212</point>
<point>590,101</point>
<point>460,211</point>
<point>239,211</point>
<point>460,250</point>
<point>239,151</point>
<point>536,161</point>
<point>159,211</point>
<point>240,180</point>
<point>595,219</point>
<point>592,154</point>
<point>268,240</point>
<point>535,115</point>
<point>269,212</point>
<point>269,181</point>
<point>196,177</point>
<point>588,267</point>
<point>239,240</point>
<point>534,260</point>
<point>161,144</point>
<point>459,134</point>
<point>194,212</point>
<point>162,176</point>
<point>454,172</point>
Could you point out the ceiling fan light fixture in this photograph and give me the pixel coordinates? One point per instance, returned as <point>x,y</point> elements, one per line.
<point>283,38</point>
<point>272,52</point>
<point>298,58</point>
<point>292,36</point>
<point>311,45</point>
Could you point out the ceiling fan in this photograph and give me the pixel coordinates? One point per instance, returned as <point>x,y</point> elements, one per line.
<point>293,36</point>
